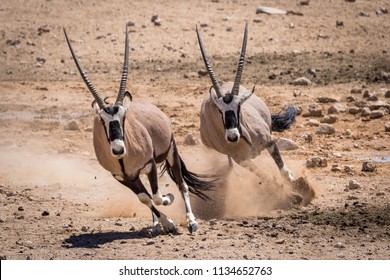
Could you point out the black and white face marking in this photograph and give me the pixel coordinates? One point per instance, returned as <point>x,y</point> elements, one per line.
<point>229,106</point>
<point>112,118</point>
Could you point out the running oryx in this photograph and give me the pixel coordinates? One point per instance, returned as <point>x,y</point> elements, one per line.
<point>237,123</point>
<point>130,138</point>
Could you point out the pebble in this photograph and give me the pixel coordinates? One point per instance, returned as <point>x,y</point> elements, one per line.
<point>270,11</point>
<point>20,208</point>
<point>286,144</point>
<point>353,185</point>
<point>326,100</point>
<point>156,20</point>
<point>84,228</point>
<point>387,94</point>
<point>190,140</point>
<point>366,112</point>
<point>302,81</point>
<point>280,241</point>
<point>45,213</point>
<point>150,242</point>
<point>354,110</point>
<point>376,114</point>
<point>329,119</point>
<point>314,110</point>
<point>368,166</point>
<point>316,162</point>
<point>336,108</point>
<point>387,127</point>
<point>326,129</point>
<point>339,245</point>
<point>356,90</point>
<point>72,126</point>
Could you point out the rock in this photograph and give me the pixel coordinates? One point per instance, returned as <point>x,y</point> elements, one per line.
<point>316,162</point>
<point>204,24</point>
<point>45,213</point>
<point>156,20</point>
<point>20,208</point>
<point>325,129</point>
<point>339,23</point>
<point>280,241</point>
<point>304,2</point>
<point>190,140</point>
<point>229,29</point>
<point>339,245</point>
<point>72,126</point>
<point>3,257</point>
<point>326,100</point>
<point>150,242</point>
<point>353,185</point>
<point>335,168</point>
<point>130,23</point>
<point>354,110</point>
<point>370,96</point>
<point>314,110</point>
<point>378,104</point>
<point>329,119</point>
<point>376,114</point>
<point>84,228</point>
<point>368,166</point>
<point>336,108</point>
<point>270,11</point>
<point>286,144</point>
<point>313,123</point>
<point>356,90</point>
<point>302,81</point>
<point>387,94</point>
<point>297,92</point>
<point>387,127</point>
<point>366,112</point>
<point>347,132</point>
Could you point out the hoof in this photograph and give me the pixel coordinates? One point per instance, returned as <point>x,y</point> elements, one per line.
<point>193,227</point>
<point>168,199</point>
<point>168,226</point>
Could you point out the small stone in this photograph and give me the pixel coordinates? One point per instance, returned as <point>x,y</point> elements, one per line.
<point>354,110</point>
<point>366,112</point>
<point>304,2</point>
<point>190,140</point>
<point>130,23</point>
<point>3,257</point>
<point>339,23</point>
<point>280,241</point>
<point>72,126</point>
<point>84,228</point>
<point>387,94</point>
<point>353,185</point>
<point>339,245</point>
<point>356,90</point>
<point>213,222</point>
<point>313,123</point>
<point>45,213</point>
<point>387,127</point>
<point>270,11</point>
<point>347,132</point>
<point>302,81</point>
<point>329,119</point>
<point>150,242</point>
<point>314,110</point>
<point>376,105</point>
<point>297,92</point>
<point>327,100</point>
<point>335,168</point>
<point>20,208</point>
<point>325,129</point>
<point>316,162</point>
<point>156,20</point>
<point>368,166</point>
<point>229,29</point>
<point>336,108</point>
<point>286,144</point>
<point>376,114</point>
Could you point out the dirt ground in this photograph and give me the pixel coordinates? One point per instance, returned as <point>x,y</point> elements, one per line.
<point>57,202</point>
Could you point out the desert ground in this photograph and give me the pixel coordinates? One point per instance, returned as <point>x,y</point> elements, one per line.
<point>57,202</point>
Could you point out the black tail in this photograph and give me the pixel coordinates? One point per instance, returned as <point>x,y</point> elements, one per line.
<point>284,120</point>
<point>196,183</point>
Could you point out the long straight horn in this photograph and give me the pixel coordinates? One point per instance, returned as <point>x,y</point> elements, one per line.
<point>216,85</point>
<point>122,88</point>
<point>90,86</point>
<point>240,67</point>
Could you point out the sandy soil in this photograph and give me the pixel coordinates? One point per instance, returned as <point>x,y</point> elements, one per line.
<point>57,202</point>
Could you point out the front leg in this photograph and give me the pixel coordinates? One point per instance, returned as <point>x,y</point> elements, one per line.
<point>158,198</point>
<point>274,152</point>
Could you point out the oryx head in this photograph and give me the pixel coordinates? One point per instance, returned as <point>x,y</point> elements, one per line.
<point>228,103</point>
<point>112,116</point>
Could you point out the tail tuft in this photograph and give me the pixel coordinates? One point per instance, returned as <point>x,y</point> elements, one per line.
<point>197,183</point>
<point>284,120</point>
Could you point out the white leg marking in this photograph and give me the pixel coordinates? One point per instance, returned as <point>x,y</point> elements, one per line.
<point>287,173</point>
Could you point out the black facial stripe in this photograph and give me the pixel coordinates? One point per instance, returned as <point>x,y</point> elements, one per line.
<point>115,131</point>
<point>230,119</point>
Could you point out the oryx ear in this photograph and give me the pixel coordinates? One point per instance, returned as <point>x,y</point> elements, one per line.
<point>246,95</point>
<point>213,95</point>
<point>95,106</point>
<point>128,98</point>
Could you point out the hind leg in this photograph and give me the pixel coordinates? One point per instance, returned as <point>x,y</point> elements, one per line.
<point>175,162</point>
<point>274,152</point>
<point>144,197</point>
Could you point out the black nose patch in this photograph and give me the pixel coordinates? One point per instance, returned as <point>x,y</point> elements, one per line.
<point>115,130</point>
<point>230,119</point>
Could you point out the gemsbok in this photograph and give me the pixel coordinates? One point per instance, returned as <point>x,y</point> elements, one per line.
<point>130,138</point>
<point>237,123</point>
